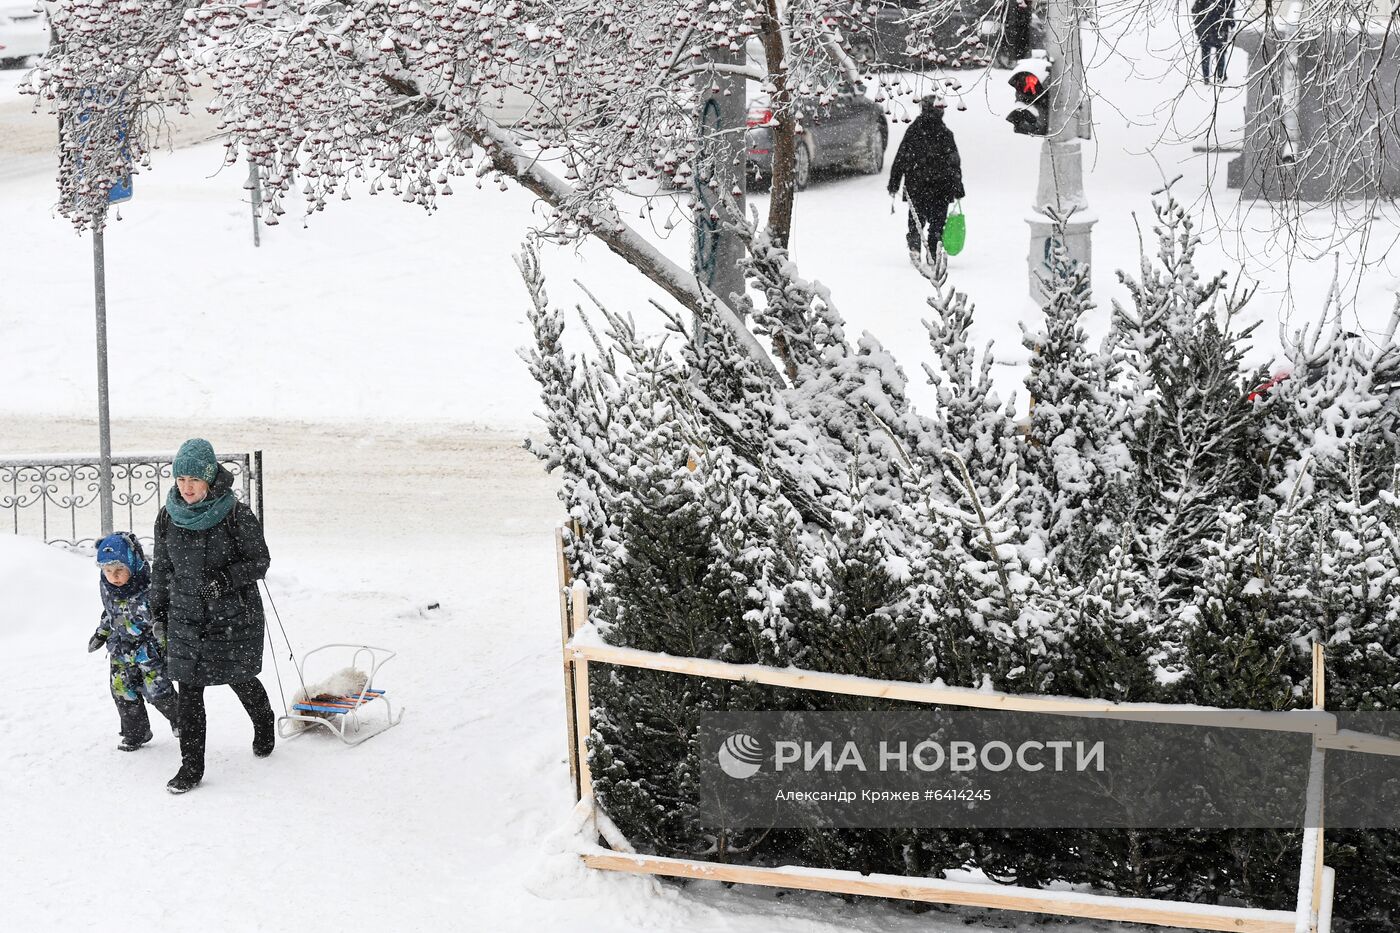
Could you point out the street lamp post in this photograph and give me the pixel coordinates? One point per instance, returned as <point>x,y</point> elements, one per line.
<point>96,101</point>
<point>104,426</point>
<point>1061,185</point>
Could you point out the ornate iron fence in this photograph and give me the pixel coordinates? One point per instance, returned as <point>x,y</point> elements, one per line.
<point>58,498</point>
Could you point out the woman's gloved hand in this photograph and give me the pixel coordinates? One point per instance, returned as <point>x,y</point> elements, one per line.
<point>218,584</point>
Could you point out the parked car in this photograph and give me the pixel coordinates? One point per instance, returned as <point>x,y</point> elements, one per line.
<point>24,32</point>
<point>850,134</point>
<point>965,36</point>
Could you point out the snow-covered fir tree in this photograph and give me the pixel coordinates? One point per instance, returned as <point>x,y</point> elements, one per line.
<point>1152,530</point>
<point>1189,428</point>
<point>1074,460</point>
<point>1109,649</point>
<point>972,420</point>
<point>584,437</point>
<point>1240,649</point>
<point>1361,597</point>
<point>1337,401</point>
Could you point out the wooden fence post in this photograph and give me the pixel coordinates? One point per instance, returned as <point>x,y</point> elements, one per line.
<point>581,704</point>
<point>566,626</point>
<point>1319,703</point>
<point>1310,887</point>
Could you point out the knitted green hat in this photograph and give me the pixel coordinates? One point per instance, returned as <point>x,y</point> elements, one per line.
<point>196,458</point>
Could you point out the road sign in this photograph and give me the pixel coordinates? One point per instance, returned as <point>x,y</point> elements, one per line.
<point>121,190</point>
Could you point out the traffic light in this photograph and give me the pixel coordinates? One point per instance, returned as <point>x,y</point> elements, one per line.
<point>1031,80</point>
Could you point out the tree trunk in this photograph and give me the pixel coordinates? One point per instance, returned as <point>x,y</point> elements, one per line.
<point>785,144</point>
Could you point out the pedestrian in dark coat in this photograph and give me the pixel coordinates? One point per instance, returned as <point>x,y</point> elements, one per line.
<point>929,166</point>
<point>135,649</point>
<point>209,556</point>
<point>1214,21</point>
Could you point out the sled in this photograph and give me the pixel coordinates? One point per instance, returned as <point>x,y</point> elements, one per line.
<point>339,710</point>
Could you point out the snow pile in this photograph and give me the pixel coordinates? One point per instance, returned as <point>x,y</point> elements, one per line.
<point>51,590</point>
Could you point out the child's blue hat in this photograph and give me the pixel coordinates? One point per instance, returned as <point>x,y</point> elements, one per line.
<point>120,548</point>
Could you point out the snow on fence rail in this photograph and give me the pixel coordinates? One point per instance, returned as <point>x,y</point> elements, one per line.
<point>54,498</point>
<point>1313,914</point>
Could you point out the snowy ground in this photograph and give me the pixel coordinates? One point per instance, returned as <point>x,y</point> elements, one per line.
<point>445,823</point>
<point>371,355</point>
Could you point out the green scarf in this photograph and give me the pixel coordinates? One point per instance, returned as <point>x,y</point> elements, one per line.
<point>202,515</point>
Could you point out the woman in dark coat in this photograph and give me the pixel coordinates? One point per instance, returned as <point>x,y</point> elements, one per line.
<point>928,165</point>
<point>209,556</point>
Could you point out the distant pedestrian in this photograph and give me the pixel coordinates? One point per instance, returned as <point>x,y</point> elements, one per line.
<point>1214,21</point>
<point>135,644</point>
<point>1015,32</point>
<point>930,169</point>
<point>210,555</point>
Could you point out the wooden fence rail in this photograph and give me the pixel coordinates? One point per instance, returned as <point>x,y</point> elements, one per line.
<point>1313,914</point>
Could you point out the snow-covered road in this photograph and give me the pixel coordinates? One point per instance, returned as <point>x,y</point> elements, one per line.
<point>29,139</point>
<point>375,309</point>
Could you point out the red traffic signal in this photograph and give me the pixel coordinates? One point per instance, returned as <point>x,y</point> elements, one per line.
<point>1030,80</point>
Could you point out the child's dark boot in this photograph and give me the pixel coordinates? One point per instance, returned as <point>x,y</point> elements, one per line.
<point>132,743</point>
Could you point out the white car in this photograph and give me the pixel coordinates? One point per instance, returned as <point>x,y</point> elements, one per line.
<point>24,31</point>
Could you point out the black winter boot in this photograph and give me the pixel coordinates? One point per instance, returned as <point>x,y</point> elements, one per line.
<point>131,744</point>
<point>183,781</point>
<point>264,736</point>
<point>259,709</point>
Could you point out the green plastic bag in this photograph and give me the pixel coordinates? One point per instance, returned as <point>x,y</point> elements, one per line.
<point>955,231</point>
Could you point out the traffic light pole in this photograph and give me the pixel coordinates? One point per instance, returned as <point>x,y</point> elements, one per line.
<point>1061,185</point>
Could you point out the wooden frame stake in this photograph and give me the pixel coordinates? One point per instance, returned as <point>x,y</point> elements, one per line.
<point>566,628</point>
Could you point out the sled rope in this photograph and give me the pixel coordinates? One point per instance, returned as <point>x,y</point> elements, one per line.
<point>277,671</point>
<point>291,655</point>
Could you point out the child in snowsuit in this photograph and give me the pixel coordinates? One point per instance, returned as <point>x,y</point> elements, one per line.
<point>134,647</point>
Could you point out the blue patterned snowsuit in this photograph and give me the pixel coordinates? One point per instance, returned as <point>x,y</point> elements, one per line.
<point>138,667</point>
<point>136,659</point>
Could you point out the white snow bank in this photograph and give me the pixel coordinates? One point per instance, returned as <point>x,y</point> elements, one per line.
<point>49,590</point>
